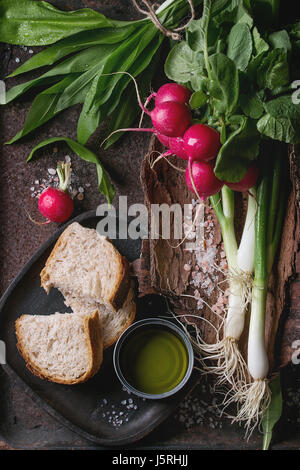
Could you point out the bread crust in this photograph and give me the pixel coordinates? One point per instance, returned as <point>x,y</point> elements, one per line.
<point>122,285</point>
<point>93,330</point>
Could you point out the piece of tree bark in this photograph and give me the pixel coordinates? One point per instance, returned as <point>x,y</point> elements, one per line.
<point>168,267</point>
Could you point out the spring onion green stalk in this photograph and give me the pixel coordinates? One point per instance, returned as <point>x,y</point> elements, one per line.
<point>256,396</point>
<point>231,366</point>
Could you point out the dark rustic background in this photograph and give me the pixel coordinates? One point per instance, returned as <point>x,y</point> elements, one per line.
<point>23,425</point>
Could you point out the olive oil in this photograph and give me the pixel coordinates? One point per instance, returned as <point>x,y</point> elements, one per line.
<point>154,360</point>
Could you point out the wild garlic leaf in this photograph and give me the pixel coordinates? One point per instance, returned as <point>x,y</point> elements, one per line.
<point>125,115</point>
<point>104,185</point>
<point>73,44</point>
<point>273,413</point>
<point>239,48</point>
<point>23,22</point>
<point>78,63</point>
<point>43,108</point>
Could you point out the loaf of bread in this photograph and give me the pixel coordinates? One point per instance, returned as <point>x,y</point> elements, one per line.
<point>62,348</point>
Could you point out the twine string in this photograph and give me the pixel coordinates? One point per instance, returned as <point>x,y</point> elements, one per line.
<point>150,12</point>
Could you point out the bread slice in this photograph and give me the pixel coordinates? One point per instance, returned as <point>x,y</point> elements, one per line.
<point>114,323</point>
<point>87,265</point>
<point>63,348</point>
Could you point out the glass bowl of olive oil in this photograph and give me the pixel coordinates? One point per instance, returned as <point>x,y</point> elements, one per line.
<point>153,358</point>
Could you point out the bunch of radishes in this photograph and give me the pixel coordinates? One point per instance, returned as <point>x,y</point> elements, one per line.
<point>199,144</point>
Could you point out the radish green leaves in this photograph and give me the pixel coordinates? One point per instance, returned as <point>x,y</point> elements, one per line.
<point>243,74</point>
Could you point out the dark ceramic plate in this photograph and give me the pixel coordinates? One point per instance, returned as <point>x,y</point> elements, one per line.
<point>100,409</point>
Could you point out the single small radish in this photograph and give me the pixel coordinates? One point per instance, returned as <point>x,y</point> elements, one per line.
<point>247,182</point>
<point>201,142</point>
<point>201,179</point>
<point>55,203</point>
<point>176,145</point>
<point>172,92</point>
<point>163,138</point>
<point>171,118</point>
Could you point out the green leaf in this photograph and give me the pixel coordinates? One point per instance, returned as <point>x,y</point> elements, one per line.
<point>273,70</point>
<point>224,82</point>
<point>202,33</point>
<point>183,64</point>
<point>198,99</point>
<point>280,40</point>
<point>31,23</point>
<point>252,105</point>
<point>101,101</point>
<point>281,121</point>
<point>273,413</point>
<point>240,148</point>
<point>43,108</point>
<point>78,63</point>
<point>104,185</point>
<point>259,44</point>
<point>124,116</point>
<point>240,45</point>
<point>75,43</point>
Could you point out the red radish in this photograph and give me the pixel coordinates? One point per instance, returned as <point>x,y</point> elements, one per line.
<point>247,182</point>
<point>201,142</point>
<point>204,182</point>
<point>176,145</point>
<point>55,203</point>
<point>171,118</point>
<point>163,139</point>
<point>172,92</point>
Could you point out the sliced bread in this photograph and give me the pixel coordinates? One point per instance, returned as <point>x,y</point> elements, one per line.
<point>88,266</point>
<point>114,323</point>
<point>63,348</point>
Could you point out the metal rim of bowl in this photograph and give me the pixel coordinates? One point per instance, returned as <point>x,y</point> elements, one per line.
<point>128,332</point>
